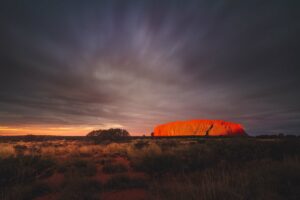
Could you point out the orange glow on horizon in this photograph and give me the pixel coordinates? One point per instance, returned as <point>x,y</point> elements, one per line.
<point>57,130</point>
<point>44,130</point>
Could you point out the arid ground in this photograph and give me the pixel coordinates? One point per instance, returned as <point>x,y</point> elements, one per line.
<point>147,168</point>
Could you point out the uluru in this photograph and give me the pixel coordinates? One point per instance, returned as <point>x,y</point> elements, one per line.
<point>200,128</point>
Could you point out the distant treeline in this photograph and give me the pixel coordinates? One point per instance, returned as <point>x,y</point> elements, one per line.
<point>49,137</point>
<point>278,136</point>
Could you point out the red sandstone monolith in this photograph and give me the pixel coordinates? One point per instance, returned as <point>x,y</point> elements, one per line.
<point>200,128</point>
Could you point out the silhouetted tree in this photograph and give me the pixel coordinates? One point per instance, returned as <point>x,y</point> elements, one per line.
<point>109,133</point>
<point>281,135</point>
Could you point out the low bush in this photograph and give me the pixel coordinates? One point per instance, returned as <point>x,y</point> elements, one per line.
<point>20,149</point>
<point>80,188</point>
<point>78,167</point>
<point>23,169</point>
<point>25,191</point>
<point>114,168</point>
<point>18,176</point>
<point>141,144</point>
<point>124,182</point>
<point>115,149</point>
<point>6,150</point>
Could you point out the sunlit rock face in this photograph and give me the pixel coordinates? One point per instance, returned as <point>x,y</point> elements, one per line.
<point>199,128</point>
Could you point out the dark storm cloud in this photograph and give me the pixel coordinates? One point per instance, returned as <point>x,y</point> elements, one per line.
<point>139,63</point>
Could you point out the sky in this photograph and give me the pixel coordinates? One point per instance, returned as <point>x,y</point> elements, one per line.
<point>69,67</point>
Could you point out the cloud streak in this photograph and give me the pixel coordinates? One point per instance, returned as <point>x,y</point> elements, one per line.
<point>141,63</point>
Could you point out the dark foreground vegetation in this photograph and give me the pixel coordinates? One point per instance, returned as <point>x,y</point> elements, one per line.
<point>147,168</point>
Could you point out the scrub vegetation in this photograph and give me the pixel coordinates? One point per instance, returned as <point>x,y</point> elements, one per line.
<point>149,168</point>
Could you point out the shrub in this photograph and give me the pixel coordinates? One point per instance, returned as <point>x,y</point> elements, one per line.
<point>116,149</point>
<point>105,161</point>
<point>90,150</point>
<point>114,168</point>
<point>6,150</point>
<point>80,188</point>
<point>141,144</point>
<point>79,167</point>
<point>153,160</point>
<point>20,149</point>
<point>167,144</point>
<point>124,182</point>
<point>25,191</point>
<point>159,164</point>
<point>23,169</point>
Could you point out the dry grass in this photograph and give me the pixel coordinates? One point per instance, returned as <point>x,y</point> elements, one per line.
<point>175,168</point>
<point>272,180</point>
<point>6,150</point>
<point>116,149</point>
